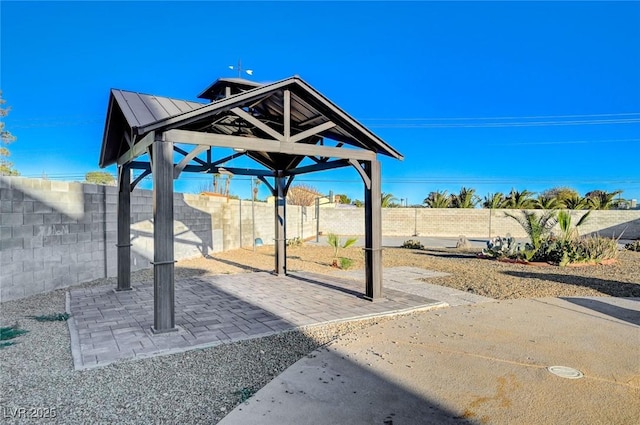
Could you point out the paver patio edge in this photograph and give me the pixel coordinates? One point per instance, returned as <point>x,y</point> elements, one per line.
<point>76,353</point>
<point>79,365</point>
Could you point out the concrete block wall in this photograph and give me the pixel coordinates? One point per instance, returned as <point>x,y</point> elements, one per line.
<point>483,223</point>
<point>55,234</point>
<point>52,235</point>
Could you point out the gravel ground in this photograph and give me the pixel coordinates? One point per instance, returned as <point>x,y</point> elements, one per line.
<point>202,386</point>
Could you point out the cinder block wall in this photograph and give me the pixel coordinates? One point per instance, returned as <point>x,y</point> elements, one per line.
<point>55,234</point>
<point>483,223</point>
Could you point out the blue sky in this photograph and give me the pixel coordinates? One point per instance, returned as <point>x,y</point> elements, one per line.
<point>484,95</point>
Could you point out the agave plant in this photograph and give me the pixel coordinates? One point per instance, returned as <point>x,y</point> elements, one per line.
<point>537,227</point>
<point>438,199</point>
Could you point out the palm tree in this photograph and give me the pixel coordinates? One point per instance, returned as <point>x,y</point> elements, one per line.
<point>601,200</point>
<point>519,200</point>
<point>575,202</point>
<point>564,222</point>
<point>438,199</point>
<point>537,227</point>
<point>256,189</point>
<point>216,177</point>
<point>226,184</point>
<point>548,203</point>
<point>388,200</point>
<point>493,200</point>
<point>465,199</point>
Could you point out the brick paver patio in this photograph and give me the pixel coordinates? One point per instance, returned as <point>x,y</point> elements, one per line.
<point>108,326</point>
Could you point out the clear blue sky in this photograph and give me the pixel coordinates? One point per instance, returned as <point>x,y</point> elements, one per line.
<point>437,81</point>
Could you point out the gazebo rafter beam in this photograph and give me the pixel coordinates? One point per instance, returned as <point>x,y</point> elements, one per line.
<point>264,145</point>
<point>138,179</point>
<point>188,156</point>
<point>139,148</point>
<point>319,167</point>
<point>228,158</point>
<point>266,182</point>
<point>258,124</point>
<point>193,157</point>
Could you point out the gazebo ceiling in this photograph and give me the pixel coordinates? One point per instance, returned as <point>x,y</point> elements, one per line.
<point>249,110</point>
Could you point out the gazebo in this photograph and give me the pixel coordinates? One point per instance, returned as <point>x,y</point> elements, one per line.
<point>288,128</point>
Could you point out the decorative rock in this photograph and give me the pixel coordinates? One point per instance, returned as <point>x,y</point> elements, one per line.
<point>463,243</point>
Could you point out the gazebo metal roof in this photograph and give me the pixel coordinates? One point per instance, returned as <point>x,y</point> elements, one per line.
<point>278,125</point>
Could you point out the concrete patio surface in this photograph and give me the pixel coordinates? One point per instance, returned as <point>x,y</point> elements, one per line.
<point>108,326</point>
<point>486,363</point>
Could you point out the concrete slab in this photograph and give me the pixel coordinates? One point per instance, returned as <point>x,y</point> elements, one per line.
<point>109,326</point>
<point>409,280</point>
<point>483,363</point>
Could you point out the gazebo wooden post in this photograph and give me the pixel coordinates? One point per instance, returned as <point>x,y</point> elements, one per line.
<point>124,228</point>
<point>373,231</point>
<point>280,225</point>
<point>163,258</point>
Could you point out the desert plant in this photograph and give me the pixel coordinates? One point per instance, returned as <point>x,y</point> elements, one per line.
<point>597,248</point>
<point>500,247</point>
<point>336,243</point>
<point>345,263</point>
<point>412,244</point>
<point>633,246</point>
<point>536,227</point>
<point>564,222</point>
<point>295,242</point>
<point>8,333</point>
<point>55,317</point>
